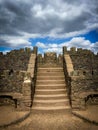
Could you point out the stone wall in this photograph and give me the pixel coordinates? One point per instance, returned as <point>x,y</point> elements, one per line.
<point>17,77</point>
<point>50,59</point>
<point>11,81</point>
<point>81,87</point>
<point>28,87</point>
<point>82,81</point>
<point>11,87</point>
<point>32,65</point>
<point>83,59</point>
<point>29,84</point>
<point>95,64</point>
<point>16,59</point>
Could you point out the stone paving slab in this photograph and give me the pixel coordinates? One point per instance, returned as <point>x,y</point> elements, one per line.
<point>8,115</point>
<point>91,114</point>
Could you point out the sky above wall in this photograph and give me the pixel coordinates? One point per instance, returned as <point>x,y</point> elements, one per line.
<point>48,24</point>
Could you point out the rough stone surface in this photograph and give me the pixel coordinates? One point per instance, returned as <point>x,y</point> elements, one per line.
<point>11,81</point>
<point>80,69</point>
<point>16,60</point>
<point>50,59</point>
<point>17,71</point>
<point>83,78</point>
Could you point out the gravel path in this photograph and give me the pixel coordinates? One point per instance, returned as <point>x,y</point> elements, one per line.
<point>52,121</point>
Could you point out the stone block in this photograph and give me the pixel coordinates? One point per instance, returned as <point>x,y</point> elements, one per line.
<point>73,49</point>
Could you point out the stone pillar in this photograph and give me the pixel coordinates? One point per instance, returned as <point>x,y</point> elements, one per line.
<point>60,60</point>
<point>31,65</point>
<point>26,102</point>
<point>77,89</point>
<point>27,94</point>
<point>39,59</point>
<point>28,50</point>
<point>69,64</point>
<point>64,50</point>
<point>79,50</point>
<point>35,50</point>
<point>73,49</point>
<point>50,57</point>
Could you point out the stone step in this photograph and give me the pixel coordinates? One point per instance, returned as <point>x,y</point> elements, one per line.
<point>49,65</point>
<point>43,108</point>
<point>50,92</point>
<point>50,73</point>
<point>51,104</point>
<point>50,69</point>
<point>48,77</point>
<point>50,100</point>
<point>45,82</point>
<point>54,68</point>
<point>49,97</point>
<point>52,86</point>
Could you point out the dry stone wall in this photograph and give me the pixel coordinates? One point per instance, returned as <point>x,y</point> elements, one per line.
<point>50,59</point>
<point>12,69</point>
<point>11,81</point>
<point>16,59</point>
<point>81,87</point>
<point>29,84</point>
<point>17,77</point>
<point>82,81</point>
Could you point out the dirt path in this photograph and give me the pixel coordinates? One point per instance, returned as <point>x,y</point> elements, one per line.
<point>52,121</point>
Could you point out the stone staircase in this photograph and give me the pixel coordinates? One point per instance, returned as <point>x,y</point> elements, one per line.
<point>50,92</point>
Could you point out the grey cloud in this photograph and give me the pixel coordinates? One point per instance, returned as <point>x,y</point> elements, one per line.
<point>3,43</point>
<point>77,24</point>
<point>18,16</point>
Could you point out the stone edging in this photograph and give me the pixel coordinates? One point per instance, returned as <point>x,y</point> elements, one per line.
<point>86,119</point>
<point>16,121</point>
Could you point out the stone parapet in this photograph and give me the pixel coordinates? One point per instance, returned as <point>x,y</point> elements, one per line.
<point>81,77</point>
<point>31,65</point>
<point>68,63</point>
<point>28,84</point>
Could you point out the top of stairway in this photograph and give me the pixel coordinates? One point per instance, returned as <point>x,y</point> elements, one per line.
<point>47,65</point>
<point>50,67</point>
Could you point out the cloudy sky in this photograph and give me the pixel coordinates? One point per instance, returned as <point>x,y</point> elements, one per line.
<point>48,24</point>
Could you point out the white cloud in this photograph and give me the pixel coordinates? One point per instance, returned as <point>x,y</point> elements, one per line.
<point>15,42</point>
<point>18,42</point>
<point>40,45</point>
<point>24,19</point>
<point>78,42</point>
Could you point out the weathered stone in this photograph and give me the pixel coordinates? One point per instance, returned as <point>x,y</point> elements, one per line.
<point>18,74</point>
